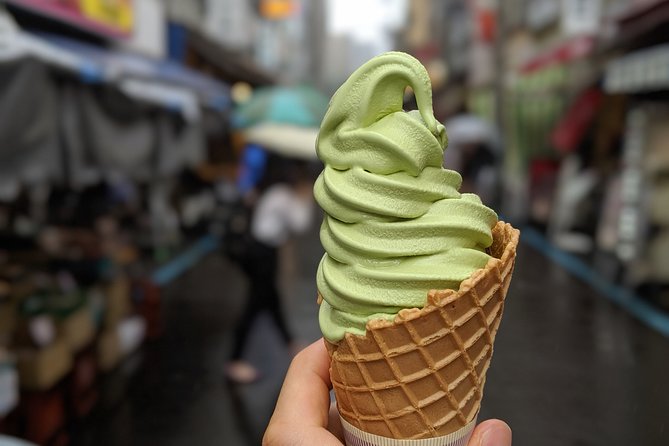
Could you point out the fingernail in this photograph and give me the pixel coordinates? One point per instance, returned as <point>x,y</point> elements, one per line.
<point>496,435</point>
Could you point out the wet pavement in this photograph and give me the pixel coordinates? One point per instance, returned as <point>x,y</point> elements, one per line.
<point>570,368</point>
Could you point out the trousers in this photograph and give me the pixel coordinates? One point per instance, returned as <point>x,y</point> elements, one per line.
<point>261,268</point>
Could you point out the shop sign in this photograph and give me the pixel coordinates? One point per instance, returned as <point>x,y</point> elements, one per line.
<point>112,18</point>
<point>581,16</point>
<point>277,9</point>
<point>113,13</point>
<point>542,13</point>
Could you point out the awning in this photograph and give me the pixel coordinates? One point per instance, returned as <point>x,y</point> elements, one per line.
<point>639,72</point>
<point>640,17</point>
<point>162,75</point>
<point>179,86</point>
<point>642,22</point>
<point>286,140</point>
<point>227,64</point>
<point>107,19</point>
<point>16,44</point>
<point>28,130</point>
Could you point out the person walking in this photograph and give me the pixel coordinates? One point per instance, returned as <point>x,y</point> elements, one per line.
<point>284,207</point>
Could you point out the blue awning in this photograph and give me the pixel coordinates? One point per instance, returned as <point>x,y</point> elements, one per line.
<point>176,84</point>
<point>120,64</point>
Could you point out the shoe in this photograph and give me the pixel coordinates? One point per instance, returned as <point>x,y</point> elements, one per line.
<point>241,372</point>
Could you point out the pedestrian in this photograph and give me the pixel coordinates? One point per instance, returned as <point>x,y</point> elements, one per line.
<point>283,207</point>
<point>474,150</point>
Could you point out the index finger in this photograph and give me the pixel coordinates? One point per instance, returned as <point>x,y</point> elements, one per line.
<point>301,413</point>
<point>305,395</point>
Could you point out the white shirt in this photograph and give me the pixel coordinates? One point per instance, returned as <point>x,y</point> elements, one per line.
<point>280,213</point>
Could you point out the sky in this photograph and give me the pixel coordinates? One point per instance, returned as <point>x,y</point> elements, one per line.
<point>367,21</point>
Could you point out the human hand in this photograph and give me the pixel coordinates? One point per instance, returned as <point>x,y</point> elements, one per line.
<point>303,415</point>
<point>491,433</point>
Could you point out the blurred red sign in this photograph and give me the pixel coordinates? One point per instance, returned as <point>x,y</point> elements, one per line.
<point>112,18</point>
<point>487,24</point>
<point>573,49</point>
<point>571,129</point>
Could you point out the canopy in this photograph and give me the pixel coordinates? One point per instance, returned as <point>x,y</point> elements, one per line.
<point>286,140</point>
<point>297,106</point>
<point>178,86</point>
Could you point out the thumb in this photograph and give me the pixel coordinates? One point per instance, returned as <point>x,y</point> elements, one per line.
<point>491,433</point>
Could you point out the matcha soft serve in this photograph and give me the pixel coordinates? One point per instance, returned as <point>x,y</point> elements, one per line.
<point>395,224</point>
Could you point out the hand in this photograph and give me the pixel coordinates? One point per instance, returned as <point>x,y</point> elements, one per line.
<point>303,414</point>
<point>491,433</point>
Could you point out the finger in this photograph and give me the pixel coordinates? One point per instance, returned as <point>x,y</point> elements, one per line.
<point>301,413</point>
<point>305,396</point>
<point>491,433</point>
<point>285,435</point>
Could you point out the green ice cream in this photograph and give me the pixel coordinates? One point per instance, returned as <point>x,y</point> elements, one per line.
<point>395,224</point>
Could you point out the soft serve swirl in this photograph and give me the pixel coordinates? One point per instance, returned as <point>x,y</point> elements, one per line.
<point>395,224</point>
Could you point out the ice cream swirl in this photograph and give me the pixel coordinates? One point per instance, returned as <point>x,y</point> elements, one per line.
<point>395,224</point>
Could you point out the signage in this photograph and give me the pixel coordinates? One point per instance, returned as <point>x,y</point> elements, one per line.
<point>113,18</point>
<point>542,13</point>
<point>113,13</point>
<point>277,9</point>
<point>581,16</point>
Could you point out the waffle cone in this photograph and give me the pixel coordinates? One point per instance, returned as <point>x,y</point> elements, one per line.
<point>422,375</point>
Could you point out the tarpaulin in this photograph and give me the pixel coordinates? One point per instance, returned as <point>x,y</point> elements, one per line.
<point>28,131</point>
<point>105,133</point>
<point>182,144</point>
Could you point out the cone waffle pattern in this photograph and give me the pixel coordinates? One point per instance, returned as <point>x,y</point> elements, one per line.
<point>422,375</point>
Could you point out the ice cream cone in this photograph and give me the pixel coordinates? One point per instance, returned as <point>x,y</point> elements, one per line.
<point>422,375</point>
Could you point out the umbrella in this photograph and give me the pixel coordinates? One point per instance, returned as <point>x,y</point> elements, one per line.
<point>287,140</point>
<point>298,106</point>
<point>468,129</point>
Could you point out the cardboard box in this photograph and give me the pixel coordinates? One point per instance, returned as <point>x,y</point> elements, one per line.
<point>44,416</point>
<point>41,369</point>
<point>77,329</point>
<point>118,304</point>
<point>11,293</point>
<point>109,350</point>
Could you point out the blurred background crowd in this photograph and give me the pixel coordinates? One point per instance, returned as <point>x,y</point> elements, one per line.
<point>159,239</point>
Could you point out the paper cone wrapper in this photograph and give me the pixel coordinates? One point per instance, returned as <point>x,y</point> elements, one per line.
<point>355,437</point>
<point>422,375</point>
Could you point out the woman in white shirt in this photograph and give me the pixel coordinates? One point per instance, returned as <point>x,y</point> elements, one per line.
<point>284,208</point>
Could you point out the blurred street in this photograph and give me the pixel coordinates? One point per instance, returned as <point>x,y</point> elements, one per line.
<point>569,368</point>
<point>162,162</point>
